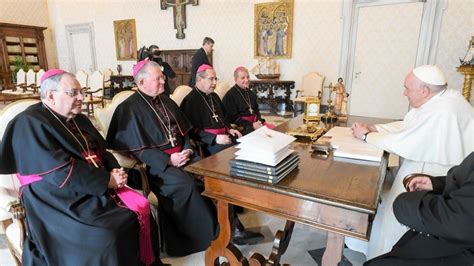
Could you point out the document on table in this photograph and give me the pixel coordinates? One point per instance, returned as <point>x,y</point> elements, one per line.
<point>345,145</point>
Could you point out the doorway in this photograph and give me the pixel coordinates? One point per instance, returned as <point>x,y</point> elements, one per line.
<point>384,41</point>
<point>81,46</point>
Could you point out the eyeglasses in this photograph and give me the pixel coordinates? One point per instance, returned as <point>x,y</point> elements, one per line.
<point>212,79</point>
<point>73,92</point>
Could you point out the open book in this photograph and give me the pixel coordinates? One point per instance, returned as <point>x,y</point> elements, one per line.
<point>347,146</point>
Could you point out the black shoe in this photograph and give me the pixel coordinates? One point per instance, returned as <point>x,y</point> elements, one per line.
<point>245,237</point>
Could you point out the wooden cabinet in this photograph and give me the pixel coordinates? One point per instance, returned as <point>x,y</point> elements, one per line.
<point>20,42</point>
<point>180,61</point>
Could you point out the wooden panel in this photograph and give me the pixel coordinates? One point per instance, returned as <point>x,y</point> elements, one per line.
<point>320,215</point>
<point>24,41</point>
<point>180,61</point>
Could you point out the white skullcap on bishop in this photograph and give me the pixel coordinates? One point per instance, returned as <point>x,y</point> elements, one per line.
<point>430,74</point>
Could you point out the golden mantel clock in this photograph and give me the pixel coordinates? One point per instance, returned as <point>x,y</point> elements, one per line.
<point>312,107</point>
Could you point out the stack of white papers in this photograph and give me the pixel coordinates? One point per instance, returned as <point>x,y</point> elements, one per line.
<point>264,146</point>
<point>347,146</point>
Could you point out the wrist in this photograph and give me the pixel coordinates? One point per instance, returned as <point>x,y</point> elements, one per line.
<point>364,137</point>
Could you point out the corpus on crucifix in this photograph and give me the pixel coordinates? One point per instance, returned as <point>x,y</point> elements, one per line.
<point>179,13</point>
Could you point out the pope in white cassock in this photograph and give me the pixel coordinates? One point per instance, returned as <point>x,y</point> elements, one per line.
<point>436,134</point>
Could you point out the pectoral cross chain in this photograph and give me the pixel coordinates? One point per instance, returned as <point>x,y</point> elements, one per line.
<point>251,110</point>
<point>215,116</point>
<point>91,158</point>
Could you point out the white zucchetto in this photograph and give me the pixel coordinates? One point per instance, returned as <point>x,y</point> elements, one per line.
<point>430,74</point>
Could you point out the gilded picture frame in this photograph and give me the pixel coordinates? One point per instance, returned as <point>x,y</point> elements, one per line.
<point>125,40</point>
<point>273,29</point>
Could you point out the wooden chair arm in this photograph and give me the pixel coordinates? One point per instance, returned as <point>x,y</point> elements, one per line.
<point>18,212</point>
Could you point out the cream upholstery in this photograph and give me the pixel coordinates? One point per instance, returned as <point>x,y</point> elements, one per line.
<point>82,77</point>
<point>9,187</point>
<point>179,93</point>
<point>39,74</point>
<point>313,83</point>
<point>222,88</point>
<point>30,77</point>
<point>95,92</point>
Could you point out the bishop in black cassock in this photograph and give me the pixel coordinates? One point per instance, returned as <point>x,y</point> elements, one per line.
<point>205,111</point>
<point>151,126</point>
<point>440,214</point>
<point>70,184</point>
<point>241,104</point>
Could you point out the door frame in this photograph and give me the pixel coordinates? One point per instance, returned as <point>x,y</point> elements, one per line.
<point>76,29</point>
<point>428,40</point>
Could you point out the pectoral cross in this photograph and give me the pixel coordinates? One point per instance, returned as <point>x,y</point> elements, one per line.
<point>172,139</point>
<point>215,116</point>
<point>251,110</point>
<point>91,158</point>
<point>179,13</point>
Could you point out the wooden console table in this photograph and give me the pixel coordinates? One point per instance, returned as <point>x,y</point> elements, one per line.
<point>270,87</point>
<point>119,83</point>
<point>335,195</point>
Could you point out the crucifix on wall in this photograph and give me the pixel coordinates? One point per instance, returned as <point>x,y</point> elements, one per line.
<point>179,13</point>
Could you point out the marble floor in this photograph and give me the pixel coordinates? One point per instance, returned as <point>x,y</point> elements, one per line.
<point>304,238</point>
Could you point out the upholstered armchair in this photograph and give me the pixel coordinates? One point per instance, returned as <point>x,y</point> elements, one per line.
<point>222,88</point>
<point>12,213</point>
<point>312,86</point>
<point>180,93</point>
<point>94,93</point>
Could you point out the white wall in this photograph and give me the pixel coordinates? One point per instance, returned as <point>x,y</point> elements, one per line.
<point>316,33</point>
<point>316,38</point>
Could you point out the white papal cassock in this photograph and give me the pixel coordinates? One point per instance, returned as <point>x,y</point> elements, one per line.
<point>430,140</point>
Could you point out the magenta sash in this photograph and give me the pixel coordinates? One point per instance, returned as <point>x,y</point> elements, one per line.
<point>141,207</point>
<point>134,202</point>
<point>216,131</point>
<point>173,150</point>
<point>249,118</point>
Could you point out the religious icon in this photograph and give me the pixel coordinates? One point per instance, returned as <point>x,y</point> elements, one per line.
<point>179,14</point>
<point>125,39</point>
<point>273,29</point>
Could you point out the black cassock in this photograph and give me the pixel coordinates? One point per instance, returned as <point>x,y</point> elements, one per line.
<point>188,220</point>
<point>199,58</point>
<point>72,218</point>
<point>197,107</point>
<point>442,222</point>
<point>237,103</point>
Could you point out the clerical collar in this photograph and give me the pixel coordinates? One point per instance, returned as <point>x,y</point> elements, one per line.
<point>241,88</point>
<point>58,115</point>
<point>148,97</point>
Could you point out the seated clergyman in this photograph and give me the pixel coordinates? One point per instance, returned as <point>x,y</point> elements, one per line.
<point>439,212</point>
<point>206,113</point>
<point>151,127</point>
<point>79,211</point>
<point>241,103</point>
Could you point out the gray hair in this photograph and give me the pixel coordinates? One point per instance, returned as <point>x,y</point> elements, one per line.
<point>143,73</point>
<point>52,83</point>
<point>436,88</point>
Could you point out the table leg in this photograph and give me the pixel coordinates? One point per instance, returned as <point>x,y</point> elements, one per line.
<point>221,246</point>
<point>280,245</point>
<point>334,247</point>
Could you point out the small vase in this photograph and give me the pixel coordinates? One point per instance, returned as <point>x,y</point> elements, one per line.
<point>119,69</point>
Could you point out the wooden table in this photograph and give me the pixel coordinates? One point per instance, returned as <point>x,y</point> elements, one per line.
<point>119,83</point>
<point>7,97</point>
<point>331,194</point>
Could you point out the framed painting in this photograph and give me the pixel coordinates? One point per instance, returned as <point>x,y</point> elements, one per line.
<point>125,40</point>
<point>273,29</point>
